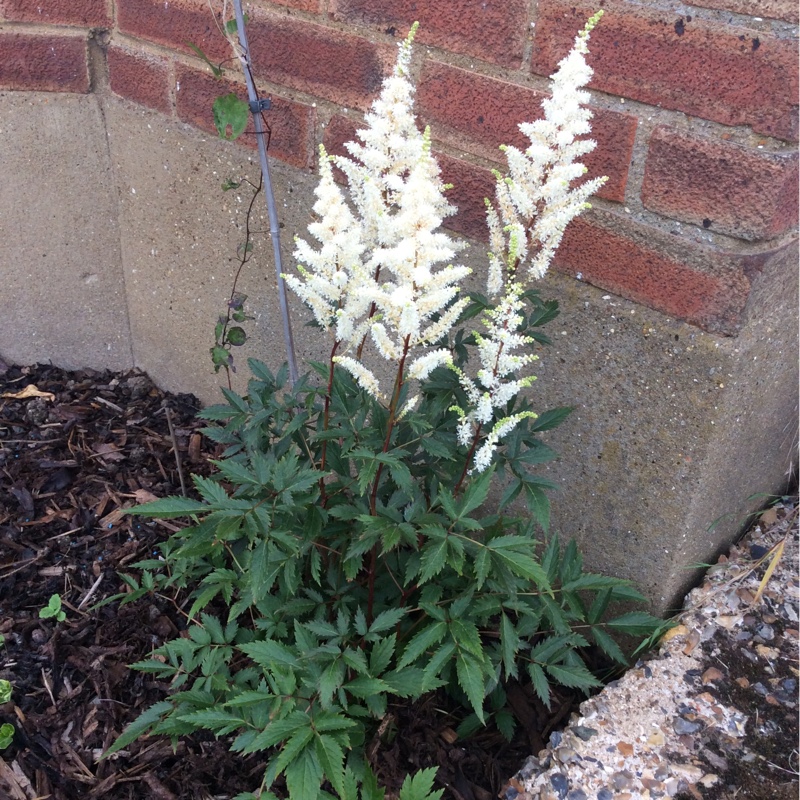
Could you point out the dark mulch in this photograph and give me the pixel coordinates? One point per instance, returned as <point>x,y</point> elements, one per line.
<point>70,463</point>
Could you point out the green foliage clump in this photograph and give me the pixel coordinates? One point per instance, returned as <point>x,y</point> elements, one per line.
<point>344,574</point>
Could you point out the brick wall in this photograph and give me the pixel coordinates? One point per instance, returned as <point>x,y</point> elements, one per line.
<point>696,110</point>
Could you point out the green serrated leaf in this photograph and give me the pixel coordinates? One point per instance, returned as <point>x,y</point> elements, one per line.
<point>268,652</point>
<point>293,748</point>
<point>551,419</point>
<point>482,566</point>
<point>470,679</point>
<point>331,757</point>
<point>407,682</point>
<point>387,620</point>
<point>510,494</point>
<point>169,507</point>
<point>509,645</point>
<point>140,726</point>
<point>434,555</point>
<point>506,723</point>
<point>636,623</point>
<point>329,681</point>
<point>220,722</point>
<point>575,676</point>
<point>608,645</point>
<point>422,641</point>
<point>278,731</point>
<point>420,786</point>
<point>476,493</point>
<point>382,654</point>
<point>304,776</point>
<point>231,115</point>
<point>364,686</point>
<point>466,635</point>
<point>539,505</point>
<point>540,683</point>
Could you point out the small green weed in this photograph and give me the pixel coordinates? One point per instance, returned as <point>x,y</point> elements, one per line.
<point>6,735</point>
<point>53,609</point>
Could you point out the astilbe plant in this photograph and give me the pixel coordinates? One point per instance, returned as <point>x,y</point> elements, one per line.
<point>347,552</point>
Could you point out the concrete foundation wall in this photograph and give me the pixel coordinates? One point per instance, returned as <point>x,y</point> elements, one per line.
<point>677,341</point>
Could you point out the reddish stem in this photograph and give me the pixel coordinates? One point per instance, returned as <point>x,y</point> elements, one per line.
<point>372,309</point>
<point>325,419</point>
<point>373,499</point>
<point>468,459</point>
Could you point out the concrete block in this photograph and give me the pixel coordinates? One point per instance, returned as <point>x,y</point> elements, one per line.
<point>62,293</point>
<point>677,433</point>
<point>180,233</point>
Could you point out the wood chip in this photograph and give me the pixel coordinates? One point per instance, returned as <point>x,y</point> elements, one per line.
<point>29,391</point>
<point>711,675</point>
<point>143,496</point>
<point>9,782</point>
<point>449,735</point>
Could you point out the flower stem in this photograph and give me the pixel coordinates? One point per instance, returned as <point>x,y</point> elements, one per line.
<point>468,458</point>
<point>325,422</point>
<point>373,499</point>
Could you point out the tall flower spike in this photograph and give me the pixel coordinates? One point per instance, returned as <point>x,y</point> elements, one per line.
<point>535,203</point>
<point>398,195</point>
<point>497,382</point>
<point>417,303</point>
<point>533,206</point>
<point>326,273</point>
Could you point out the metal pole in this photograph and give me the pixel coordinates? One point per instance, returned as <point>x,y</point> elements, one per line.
<point>255,107</point>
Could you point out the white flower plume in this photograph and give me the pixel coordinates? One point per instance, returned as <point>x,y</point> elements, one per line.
<point>401,287</point>
<point>327,272</point>
<point>535,203</point>
<point>416,303</point>
<point>497,382</point>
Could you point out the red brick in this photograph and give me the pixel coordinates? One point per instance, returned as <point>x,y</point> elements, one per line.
<point>291,124</point>
<point>176,24</point>
<point>701,285</point>
<point>86,13</point>
<point>140,77</point>
<point>471,184</point>
<point>339,130</point>
<point>337,66</point>
<point>773,9</point>
<point>720,185</point>
<point>718,72</point>
<point>704,287</point>
<point>490,31</point>
<point>43,63</point>
<point>478,114</point>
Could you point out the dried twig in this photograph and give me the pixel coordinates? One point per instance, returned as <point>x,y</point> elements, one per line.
<point>88,596</point>
<point>175,450</point>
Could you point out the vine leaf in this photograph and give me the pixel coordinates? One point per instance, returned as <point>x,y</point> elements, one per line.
<point>216,70</point>
<point>230,116</point>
